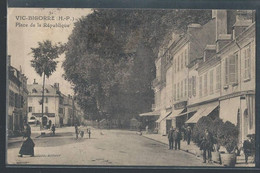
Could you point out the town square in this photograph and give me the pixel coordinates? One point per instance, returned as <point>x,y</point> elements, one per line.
<point>131,87</point>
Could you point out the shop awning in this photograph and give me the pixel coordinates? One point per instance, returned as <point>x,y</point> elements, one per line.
<point>155,113</point>
<point>203,111</point>
<point>185,113</point>
<point>162,117</point>
<point>174,114</point>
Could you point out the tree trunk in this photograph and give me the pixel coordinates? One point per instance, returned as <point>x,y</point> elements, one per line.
<point>43,85</point>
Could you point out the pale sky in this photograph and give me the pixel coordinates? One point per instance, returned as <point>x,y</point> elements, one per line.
<point>21,39</point>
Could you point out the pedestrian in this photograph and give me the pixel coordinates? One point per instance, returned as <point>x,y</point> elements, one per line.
<point>188,135</point>
<point>147,129</point>
<point>53,128</point>
<point>247,146</point>
<point>89,133</point>
<point>183,132</point>
<point>76,131</point>
<point>207,146</point>
<point>81,131</point>
<point>170,138</point>
<point>27,147</point>
<point>177,139</point>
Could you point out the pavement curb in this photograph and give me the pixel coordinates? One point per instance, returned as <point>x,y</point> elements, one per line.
<point>186,151</point>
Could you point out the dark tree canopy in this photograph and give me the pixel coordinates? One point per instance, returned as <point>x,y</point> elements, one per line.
<point>110,56</point>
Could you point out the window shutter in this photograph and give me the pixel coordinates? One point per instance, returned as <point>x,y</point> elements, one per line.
<point>226,71</point>
<point>232,69</point>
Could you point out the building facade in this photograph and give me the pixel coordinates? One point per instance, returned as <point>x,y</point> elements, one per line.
<point>209,71</point>
<point>17,100</point>
<point>53,112</point>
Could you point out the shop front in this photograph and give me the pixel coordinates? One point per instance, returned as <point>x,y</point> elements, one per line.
<point>207,109</point>
<point>240,111</point>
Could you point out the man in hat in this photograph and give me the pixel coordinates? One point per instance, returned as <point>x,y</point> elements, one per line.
<point>188,133</point>
<point>170,138</point>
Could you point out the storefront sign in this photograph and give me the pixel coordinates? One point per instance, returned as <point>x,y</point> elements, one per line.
<point>180,105</point>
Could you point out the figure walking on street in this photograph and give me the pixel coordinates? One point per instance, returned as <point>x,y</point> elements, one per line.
<point>53,129</point>
<point>89,133</point>
<point>76,131</point>
<point>27,147</point>
<point>170,138</point>
<point>207,146</point>
<point>188,133</point>
<point>177,139</point>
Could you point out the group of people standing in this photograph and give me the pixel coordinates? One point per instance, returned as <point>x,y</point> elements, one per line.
<point>174,137</point>
<point>80,131</point>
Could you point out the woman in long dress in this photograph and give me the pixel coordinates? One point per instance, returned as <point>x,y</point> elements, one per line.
<point>28,145</point>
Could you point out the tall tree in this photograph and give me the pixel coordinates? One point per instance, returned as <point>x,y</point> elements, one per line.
<point>44,62</point>
<point>110,56</point>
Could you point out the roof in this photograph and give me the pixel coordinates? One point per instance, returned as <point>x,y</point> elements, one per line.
<point>49,90</point>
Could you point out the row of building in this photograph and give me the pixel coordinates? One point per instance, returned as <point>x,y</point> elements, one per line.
<point>208,71</point>
<point>25,104</point>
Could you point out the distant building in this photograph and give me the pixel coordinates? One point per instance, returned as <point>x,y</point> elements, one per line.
<point>17,99</point>
<point>53,112</point>
<point>68,110</point>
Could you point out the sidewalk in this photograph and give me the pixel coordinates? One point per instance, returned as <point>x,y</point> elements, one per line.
<point>193,149</point>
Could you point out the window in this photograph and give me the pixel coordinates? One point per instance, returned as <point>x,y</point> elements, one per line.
<point>181,89</point>
<point>178,91</point>
<point>206,84</point>
<point>211,82</point>
<point>178,65</point>
<point>61,110</point>
<point>218,78</point>
<point>185,91</point>
<point>46,100</point>
<point>181,60</point>
<point>200,86</point>
<point>247,57</point>
<point>11,98</point>
<point>233,68</point>
<point>30,109</point>
<point>46,109</point>
<point>175,66</point>
<point>16,100</point>
<point>34,90</point>
<point>22,101</point>
<point>186,57</point>
<point>226,71</point>
<point>174,93</point>
<point>190,83</point>
<point>194,86</point>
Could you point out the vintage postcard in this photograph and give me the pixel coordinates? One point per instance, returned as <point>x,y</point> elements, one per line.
<point>131,87</point>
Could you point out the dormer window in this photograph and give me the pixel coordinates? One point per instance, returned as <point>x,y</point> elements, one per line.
<point>34,90</point>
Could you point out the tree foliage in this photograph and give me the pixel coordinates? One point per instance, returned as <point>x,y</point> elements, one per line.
<point>44,61</point>
<point>110,56</point>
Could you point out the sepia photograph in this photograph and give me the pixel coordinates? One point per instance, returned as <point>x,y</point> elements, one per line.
<point>131,87</point>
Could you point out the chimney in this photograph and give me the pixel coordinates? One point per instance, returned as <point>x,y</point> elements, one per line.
<point>209,51</point>
<point>243,20</point>
<point>193,27</point>
<point>34,81</point>
<point>221,22</point>
<point>56,85</point>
